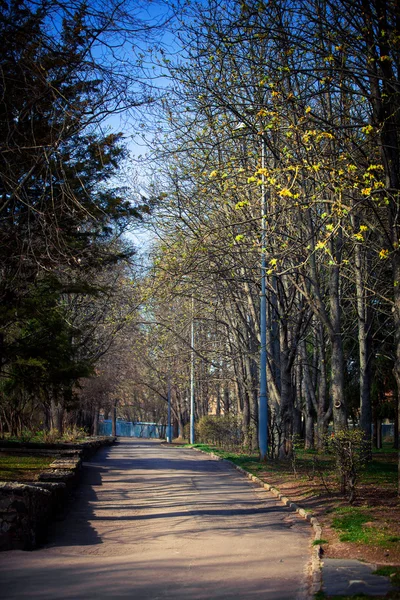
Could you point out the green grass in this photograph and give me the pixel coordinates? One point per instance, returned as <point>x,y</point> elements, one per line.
<point>71,434</point>
<point>204,447</point>
<point>250,462</point>
<point>323,596</point>
<point>392,572</point>
<point>380,472</point>
<point>22,468</point>
<point>387,448</point>
<point>394,595</point>
<point>350,521</point>
<point>319,542</point>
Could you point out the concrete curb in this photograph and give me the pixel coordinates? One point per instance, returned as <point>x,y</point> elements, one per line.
<point>316,567</point>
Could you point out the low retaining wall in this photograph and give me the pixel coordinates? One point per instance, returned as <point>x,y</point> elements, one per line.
<point>26,509</point>
<point>87,448</point>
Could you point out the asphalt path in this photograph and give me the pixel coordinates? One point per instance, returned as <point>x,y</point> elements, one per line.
<point>153,522</point>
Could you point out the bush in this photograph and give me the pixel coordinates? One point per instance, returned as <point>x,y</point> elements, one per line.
<point>352,453</point>
<point>223,431</point>
<point>74,434</point>
<point>47,437</point>
<point>26,435</point>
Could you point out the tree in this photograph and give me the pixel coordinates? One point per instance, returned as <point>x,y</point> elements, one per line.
<point>61,213</point>
<point>311,97</point>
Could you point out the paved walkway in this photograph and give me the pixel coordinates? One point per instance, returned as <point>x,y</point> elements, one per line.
<point>152,522</point>
<point>350,577</point>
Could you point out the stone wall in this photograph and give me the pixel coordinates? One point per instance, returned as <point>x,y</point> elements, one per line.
<point>26,509</point>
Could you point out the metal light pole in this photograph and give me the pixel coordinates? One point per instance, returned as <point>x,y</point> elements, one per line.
<point>192,437</point>
<point>263,399</point>
<point>169,432</point>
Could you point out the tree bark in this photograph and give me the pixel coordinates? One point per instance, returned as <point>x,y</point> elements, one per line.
<point>364,340</point>
<point>114,419</point>
<point>287,399</point>
<point>96,421</point>
<point>56,416</point>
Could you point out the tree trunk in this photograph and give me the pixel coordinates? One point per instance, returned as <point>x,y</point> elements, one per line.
<point>287,400</point>
<point>384,100</point>
<point>226,398</point>
<point>246,421</point>
<point>364,340</point>
<point>218,395</point>
<point>298,429</point>
<point>378,433</point>
<point>114,419</point>
<point>309,431</point>
<point>273,341</point>
<point>337,383</point>
<point>396,316</point>
<point>324,410</point>
<point>56,416</point>
<point>306,392</point>
<point>337,358</point>
<point>96,421</point>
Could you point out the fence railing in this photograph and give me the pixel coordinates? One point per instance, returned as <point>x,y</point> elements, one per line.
<point>129,429</point>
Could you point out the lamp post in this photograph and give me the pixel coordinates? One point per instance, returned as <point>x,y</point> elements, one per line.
<point>169,432</point>
<point>192,436</point>
<point>263,399</point>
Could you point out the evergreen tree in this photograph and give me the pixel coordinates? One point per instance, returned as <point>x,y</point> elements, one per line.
<point>61,215</point>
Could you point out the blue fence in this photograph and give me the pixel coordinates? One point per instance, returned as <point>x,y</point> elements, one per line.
<point>387,430</point>
<point>128,429</point>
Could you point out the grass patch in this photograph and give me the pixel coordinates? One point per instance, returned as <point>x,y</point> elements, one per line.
<point>388,571</point>
<point>22,468</point>
<point>70,435</point>
<point>204,447</point>
<point>391,595</point>
<point>387,448</point>
<point>319,542</point>
<point>322,596</point>
<point>351,522</point>
<point>380,472</point>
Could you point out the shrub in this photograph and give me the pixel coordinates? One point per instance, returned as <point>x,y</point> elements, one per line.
<point>73,434</point>
<point>47,437</point>
<point>352,453</point>
<point>223,431</point>
<point>26,435</point>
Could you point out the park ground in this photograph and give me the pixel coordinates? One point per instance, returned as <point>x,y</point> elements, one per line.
<point>368,530</point>
<point>153,522</point>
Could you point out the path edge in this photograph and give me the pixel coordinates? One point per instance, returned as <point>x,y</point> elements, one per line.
<point>316,554</point>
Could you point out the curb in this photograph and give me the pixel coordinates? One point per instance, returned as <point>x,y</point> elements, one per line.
<point>316,567</point>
